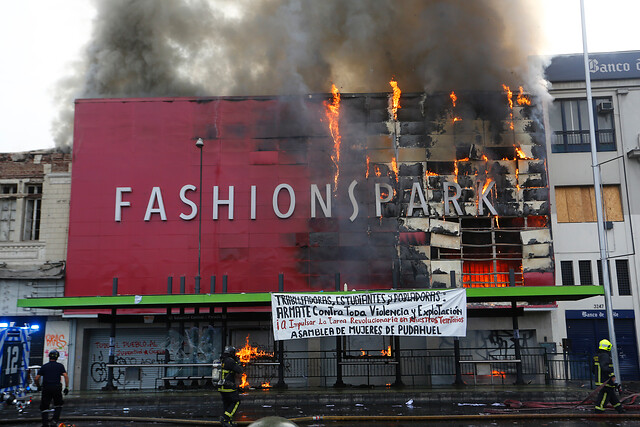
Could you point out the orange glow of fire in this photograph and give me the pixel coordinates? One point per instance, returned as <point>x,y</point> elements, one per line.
<point>244,382</point>
<point>386,352</point>
<point>453,97</point>
<point>429,173</point>
<point>495,373</point>
<point>486,184</point>
<point>485,158</point>
<point>457,119</point>
<point>510,99</point>
<point>265,384</point>
<point>246,353</point>
<point>367,171</point>
<point>395,101</point>
<point>394,166</point>
<point>332,112</point>
<point>521,154</point>
<point>377,171</point>
<point>522,98</point>
<point>362,353</point>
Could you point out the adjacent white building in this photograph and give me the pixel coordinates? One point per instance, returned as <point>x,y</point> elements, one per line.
<point>615,77</point>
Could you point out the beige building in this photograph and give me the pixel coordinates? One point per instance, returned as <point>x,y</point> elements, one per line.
<point>34,221</point>
<point>615,76</point>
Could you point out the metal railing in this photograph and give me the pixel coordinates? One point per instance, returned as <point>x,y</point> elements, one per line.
<point>412,367</point>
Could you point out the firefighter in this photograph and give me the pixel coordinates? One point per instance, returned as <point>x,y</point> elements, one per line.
<point>52,388</point>
<point>605,376</point>
<point>230,366</point>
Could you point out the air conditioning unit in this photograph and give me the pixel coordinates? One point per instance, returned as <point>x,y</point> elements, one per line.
<point>605,107</point>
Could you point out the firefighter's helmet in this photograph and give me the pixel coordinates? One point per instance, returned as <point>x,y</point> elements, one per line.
<point>605,345</point>
<point>229,350</point>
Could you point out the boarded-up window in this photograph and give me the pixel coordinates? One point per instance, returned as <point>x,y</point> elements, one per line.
<point>578,203</point>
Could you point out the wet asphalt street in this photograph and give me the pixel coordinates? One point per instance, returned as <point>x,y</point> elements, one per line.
<point>397,406</point>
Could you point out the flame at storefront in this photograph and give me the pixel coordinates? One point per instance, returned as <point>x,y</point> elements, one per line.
<point>247,354</point>
<point>332,114</point>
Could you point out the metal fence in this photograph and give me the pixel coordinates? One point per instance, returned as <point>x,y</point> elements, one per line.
<point>411,367</point>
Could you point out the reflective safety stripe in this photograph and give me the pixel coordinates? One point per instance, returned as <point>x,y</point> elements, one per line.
<point>233,411</point>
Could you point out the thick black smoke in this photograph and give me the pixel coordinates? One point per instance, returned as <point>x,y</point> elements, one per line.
<point>143,48</point>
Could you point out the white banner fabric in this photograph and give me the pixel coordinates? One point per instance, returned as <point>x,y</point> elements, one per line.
<point>405,313</point>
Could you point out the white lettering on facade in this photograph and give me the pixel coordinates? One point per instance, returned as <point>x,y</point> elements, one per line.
<point>217,201</point>
<point>453,199</point>
<point>119,202</point>
<point>316,196</point>
<point>155,198</point>
<point>292,200</point>
<point>383,192</point>
<point>186,201</point>
<point>379,199</point>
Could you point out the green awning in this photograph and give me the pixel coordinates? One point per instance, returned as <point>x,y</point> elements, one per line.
<point>531,294</point>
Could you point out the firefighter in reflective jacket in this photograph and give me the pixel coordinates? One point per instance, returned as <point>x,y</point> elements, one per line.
<point>228,389</point>
<point>603,367</point>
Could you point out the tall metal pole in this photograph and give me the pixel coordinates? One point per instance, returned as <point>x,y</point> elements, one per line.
<point>598,193</point>
<point>199,144</point>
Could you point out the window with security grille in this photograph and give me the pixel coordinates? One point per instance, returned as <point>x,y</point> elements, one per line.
<point>584,269</point>
<point>624,280</point>
<point>566,269</point>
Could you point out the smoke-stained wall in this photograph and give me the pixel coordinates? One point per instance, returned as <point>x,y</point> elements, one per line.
<point>410,200</point>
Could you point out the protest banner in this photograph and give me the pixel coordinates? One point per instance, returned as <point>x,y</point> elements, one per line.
<point>404,313</point>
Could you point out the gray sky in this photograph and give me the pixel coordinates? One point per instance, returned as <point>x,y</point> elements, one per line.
<point>41,39</point>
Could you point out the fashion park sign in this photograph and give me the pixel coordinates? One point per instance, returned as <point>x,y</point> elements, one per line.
<point>383,193</point>
<point>408,313</point>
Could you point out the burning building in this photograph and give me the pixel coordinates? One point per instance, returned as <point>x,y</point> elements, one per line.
<point>317,193</point>
<point>187,210</point>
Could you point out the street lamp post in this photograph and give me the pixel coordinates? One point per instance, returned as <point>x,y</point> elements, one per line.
<point>199,144</point>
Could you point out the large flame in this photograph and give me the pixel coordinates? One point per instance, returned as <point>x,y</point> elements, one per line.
<point>521,154</point>
<point>247,353</point>
<point>394,166</point>
<point>332,112</point>
<point>454,98</point>
<point>395,100</point>
<point>522,98</point>
<point>510,100</point>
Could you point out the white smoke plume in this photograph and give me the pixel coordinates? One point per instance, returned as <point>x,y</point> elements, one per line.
<point>143,48</point>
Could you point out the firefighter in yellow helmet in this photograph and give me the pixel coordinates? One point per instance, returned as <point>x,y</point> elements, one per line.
<point>603,369</point>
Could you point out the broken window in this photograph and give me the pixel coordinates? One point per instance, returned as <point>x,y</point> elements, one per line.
<point>577,203</point>
<point>20,200</point>
<point>8,202</point>
<point>569,121</point>
<point>33,203</point>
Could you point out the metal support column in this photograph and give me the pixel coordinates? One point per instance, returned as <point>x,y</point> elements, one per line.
<point>112,342</point>
<point>516,332</point>
<point>339,382</point>
<point>281,383</point>
<point>183,279</point>
<point>167,355</point>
